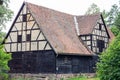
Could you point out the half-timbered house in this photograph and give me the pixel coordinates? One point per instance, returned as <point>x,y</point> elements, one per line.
<point>43,40</point>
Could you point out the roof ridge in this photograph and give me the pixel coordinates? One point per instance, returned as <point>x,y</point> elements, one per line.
<point>49,8</point>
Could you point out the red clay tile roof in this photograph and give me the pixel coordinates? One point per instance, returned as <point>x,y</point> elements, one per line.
<point>59,30</point>
<point>87,23</point>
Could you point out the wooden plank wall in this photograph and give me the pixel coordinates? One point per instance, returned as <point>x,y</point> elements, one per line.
<point>47,62</point>
<point>32,62</point>
<point>75,64</point>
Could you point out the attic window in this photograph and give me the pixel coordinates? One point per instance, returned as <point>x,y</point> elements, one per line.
<point>100,26</point>
<point>28,37</point>
<point>19,38</point>
<point>24,18</point>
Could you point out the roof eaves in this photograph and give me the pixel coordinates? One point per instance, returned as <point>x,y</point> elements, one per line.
<point>91,52</point>
<point>80,54</point>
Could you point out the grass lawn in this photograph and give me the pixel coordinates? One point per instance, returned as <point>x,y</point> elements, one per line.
<point>83,78</point>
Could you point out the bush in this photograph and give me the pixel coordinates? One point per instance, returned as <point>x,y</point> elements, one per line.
<point>108,68</point>
<point>115,30</point>
<point>4,58</point>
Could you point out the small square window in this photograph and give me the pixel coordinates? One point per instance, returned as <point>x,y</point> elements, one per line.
<point>28,37</point>
<point>19,38</point>
<point>24,18</point>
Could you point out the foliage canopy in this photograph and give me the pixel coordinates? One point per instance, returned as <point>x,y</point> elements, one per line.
<point>4,58</point>
<point>108,68</point>
<point>5,15</point>
<point>93,9</point>
<point>115,30</point>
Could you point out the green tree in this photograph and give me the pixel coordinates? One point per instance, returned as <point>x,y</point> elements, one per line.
<point>93,9</point>
<point>105,14</point>
<point>112,14</point>
<point>5,15</point>
<point>4,58</point>
<point>108,68</point>
<point>117,21</point>
<point>115,30</point>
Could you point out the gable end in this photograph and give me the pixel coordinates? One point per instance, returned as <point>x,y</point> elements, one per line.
<point>25,34</point>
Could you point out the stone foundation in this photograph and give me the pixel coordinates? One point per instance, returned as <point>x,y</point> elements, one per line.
<point>47,76</point>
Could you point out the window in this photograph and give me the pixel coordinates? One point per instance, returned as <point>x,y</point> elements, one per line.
<point>19,38</point>
<point>28,37</point>
<point>100,45</point>
<point>100,26</point>
<point>83,37</point>
<point>24,18</point>
<point>88,37</point>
